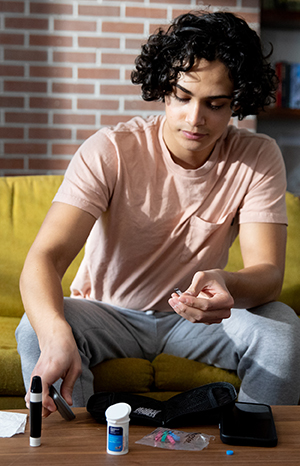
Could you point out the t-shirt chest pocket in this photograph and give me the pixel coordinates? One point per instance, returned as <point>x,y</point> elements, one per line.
<point>204,237</point>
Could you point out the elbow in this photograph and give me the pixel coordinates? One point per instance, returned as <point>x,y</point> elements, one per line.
<point>275,285</point>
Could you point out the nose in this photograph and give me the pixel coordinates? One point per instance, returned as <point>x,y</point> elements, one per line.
<point>196,115</point>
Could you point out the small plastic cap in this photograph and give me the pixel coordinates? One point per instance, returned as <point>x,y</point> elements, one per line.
<point>35,442</point>
<point>36,384</point>
<point>118,412</point>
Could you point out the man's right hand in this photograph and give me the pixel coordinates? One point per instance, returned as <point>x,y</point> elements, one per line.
<point>59,359</point>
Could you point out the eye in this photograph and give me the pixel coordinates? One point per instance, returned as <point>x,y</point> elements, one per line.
<point>181,99</point>
<point>214,107</point>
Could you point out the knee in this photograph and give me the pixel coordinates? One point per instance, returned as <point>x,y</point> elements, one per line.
<point>279,327</point>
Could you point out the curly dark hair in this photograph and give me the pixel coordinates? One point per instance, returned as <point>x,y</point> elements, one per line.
<point>213,36</point>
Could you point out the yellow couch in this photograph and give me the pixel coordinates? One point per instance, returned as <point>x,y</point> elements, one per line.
<point>23,206</point>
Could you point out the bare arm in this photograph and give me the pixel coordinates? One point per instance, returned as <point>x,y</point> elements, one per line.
<point>214,292</point>
<point>61,237</point>
<point>263,249</point>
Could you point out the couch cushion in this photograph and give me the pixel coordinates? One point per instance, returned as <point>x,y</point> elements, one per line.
<point>25,201</point>
<point>180,374</point>
<point>123,375</point>
<point>291,285</point>
<point>11,381</point>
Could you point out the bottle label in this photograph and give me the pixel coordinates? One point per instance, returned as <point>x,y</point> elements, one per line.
<point>115,438</point>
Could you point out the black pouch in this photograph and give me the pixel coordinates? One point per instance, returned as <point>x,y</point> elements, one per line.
<point>201,405</point>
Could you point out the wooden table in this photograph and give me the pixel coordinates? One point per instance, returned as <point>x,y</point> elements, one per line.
<point>83,442</point>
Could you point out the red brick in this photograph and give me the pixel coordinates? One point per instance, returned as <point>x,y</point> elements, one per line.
<point>181,11</point>
<point>49,133</point>
<point>25,86</point>
<point>48,102</point>
<point>119,89</point>
<point>23,148</point>
<point>117,58</point>
<point>97,104</point>
<point>74,57</point>
<point>64,149</point>
<point>25,55</point>
<point>10,102</point>
<point>25,117</point>
<point>48,164</point>
<point>10,70</point>
<point>249,17</point>
<point>11,164</point>
<point>98,10</point>
<point>74,25</point>
<point>26,23</point>
<point>50,40</point>
<point>182,2</point>
<point>251,3</point>
<point>51,72</point>
<point>83,134</point>
<point>51,8</point>
<point>153,28</point>
<point>11,133</point>
<point>113,120</point>
<point>11,39</point>
<point>135,12</point>
<point>134,43</point>
<point>11,7</point>
<point>73,119</point>
<point>98,42</point>
<point>224,3</point>
<point>141,105</point>
<point>73,88</point>
<point>97,73</point>
<point>128,75</point>
<point>123,28</point>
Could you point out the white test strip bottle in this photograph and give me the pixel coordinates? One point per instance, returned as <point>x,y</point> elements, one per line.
<point>117,417</point>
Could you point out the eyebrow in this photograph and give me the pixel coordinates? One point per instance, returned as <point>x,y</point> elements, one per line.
<point>211,97</point>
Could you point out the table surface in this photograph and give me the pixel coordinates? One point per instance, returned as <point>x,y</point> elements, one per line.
<point>83,442</point>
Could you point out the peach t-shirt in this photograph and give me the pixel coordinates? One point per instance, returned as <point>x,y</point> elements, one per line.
<point>158,223</point>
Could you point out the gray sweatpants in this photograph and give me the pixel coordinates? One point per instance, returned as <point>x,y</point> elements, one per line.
<point>262,345</point>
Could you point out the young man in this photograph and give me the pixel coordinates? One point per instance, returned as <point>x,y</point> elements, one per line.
<point>159,203</point>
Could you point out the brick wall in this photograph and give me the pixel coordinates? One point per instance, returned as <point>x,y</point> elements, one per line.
<point>65,72</point>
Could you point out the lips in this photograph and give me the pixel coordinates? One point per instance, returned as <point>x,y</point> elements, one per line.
<point>193,136</point>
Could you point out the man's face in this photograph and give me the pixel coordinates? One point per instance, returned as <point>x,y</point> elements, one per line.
<point>197,113</point>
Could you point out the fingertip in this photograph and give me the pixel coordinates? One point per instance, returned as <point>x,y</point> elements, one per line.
<point>66,395</point>
<point>46,412</point>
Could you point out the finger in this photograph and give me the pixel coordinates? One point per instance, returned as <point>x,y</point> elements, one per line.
<point>203,286</point>
<point>46,412</point>
<point>216,302</point>
<point>48,404</point>
<point>196,315</point>
<point>26,400</point>
<point>68,383</point>
<point>197,284</point>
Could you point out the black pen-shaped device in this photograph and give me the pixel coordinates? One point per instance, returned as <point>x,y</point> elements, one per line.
<point>35,416</point>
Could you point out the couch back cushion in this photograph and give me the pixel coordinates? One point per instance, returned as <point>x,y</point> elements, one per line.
<point>291,286</point>
<point>24,202</point>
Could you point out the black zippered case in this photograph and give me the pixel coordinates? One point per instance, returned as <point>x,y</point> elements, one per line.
<point>201,405</point>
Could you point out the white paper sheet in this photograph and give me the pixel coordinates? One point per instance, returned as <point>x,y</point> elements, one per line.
<point>12,423</point>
